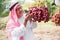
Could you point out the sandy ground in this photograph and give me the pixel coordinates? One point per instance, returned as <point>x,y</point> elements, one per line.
<point>41,32</point>
<point>47,32</point>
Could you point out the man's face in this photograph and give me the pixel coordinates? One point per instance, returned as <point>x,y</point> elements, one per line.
<point>19,11</point>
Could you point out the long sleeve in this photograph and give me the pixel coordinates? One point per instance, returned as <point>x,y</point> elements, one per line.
<point>33,25</point>
<point>18,31</point>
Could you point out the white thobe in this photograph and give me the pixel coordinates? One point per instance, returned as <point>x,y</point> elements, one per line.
<point>26,32</point>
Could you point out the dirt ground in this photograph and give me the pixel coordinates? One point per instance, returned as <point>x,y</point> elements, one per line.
<point>44,31</point>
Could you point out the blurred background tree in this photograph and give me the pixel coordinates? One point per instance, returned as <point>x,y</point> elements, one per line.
<point>51,7</point>
<point>3,10</point>
<point>49,3</point>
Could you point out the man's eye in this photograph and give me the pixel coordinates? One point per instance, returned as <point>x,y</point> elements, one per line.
<point>16,9</point>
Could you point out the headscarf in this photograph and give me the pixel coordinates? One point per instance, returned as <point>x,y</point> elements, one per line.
<point>13,22</point>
